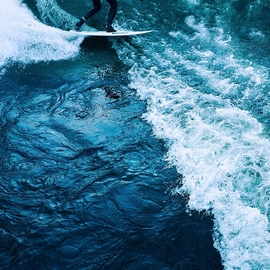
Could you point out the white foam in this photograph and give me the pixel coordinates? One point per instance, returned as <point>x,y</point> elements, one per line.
<point>225,163</point>
<point>219,148</point>
<point>193,2</point>
<point>24,39</point>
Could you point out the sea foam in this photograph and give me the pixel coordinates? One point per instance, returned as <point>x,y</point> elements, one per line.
<point>191,89</point>
<point>24,39</point>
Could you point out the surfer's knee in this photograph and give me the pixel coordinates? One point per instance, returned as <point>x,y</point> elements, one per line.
<point>97,8</point>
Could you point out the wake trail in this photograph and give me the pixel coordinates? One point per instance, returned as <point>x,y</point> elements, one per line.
<point>220,149</point>
<point>24,39</point>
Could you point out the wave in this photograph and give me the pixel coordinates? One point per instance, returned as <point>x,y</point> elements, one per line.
<point>201,91</point>
<point>25,40</point>
<point>198,87</point>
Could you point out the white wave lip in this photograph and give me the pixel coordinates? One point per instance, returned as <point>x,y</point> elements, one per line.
<point>24,39</point>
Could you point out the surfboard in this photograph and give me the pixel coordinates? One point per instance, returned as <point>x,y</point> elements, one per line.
<point>111,34</point>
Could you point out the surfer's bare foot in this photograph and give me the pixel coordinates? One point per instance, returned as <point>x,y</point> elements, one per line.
<point>110,29</point>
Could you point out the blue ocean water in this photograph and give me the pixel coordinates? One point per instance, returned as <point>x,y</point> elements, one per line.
<point>146,152</point>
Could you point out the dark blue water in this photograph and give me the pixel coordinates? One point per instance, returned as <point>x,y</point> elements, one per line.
<point>83,182</point>
<point>148,152</point>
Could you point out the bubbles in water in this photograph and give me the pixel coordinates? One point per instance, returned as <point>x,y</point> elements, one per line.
<point>23,39</point>
<point>192,89</point>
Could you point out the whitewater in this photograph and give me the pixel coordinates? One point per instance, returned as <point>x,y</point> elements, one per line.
<point>205,82</point>
<point>221,149</point>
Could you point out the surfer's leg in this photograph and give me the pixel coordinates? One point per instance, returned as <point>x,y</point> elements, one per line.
<point>89,14</point>
<point>94,10</point>
<point>111,15</point>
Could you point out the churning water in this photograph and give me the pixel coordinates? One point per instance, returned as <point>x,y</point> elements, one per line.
<point>150,152</point>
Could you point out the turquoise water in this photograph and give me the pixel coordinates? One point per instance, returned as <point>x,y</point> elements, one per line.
<point>147,152</point>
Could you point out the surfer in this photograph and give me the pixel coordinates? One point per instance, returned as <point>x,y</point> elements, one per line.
<point>96,9</point>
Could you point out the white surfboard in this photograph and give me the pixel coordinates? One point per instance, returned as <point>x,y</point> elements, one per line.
<point>111,34</point>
